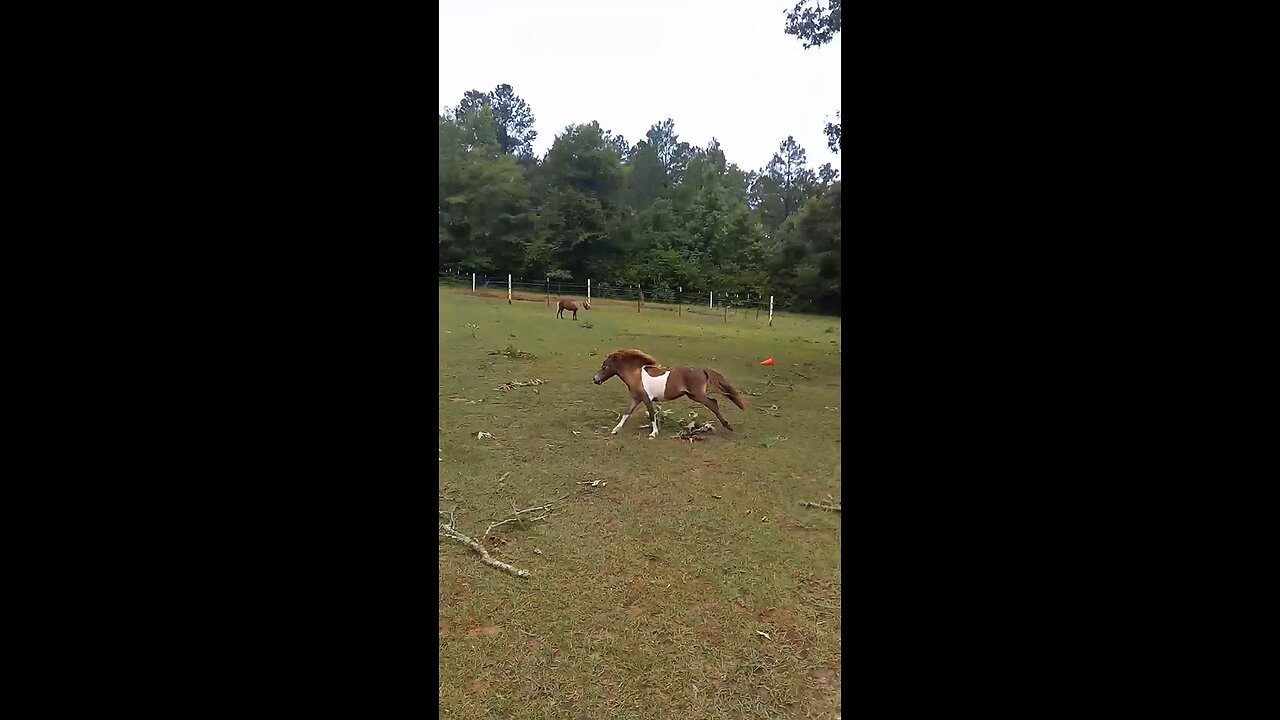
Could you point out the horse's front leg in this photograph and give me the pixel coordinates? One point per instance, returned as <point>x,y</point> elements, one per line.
<point>632,406</point>
<point>653,416</point>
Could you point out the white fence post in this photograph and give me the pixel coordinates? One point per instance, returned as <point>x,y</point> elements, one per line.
<point>770,311</point>
<point>711,300</point>
<point>473,282</point>
<point>508,288</point>
<point>588,289</point>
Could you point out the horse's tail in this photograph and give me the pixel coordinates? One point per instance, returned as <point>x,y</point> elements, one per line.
<point>718,380</point>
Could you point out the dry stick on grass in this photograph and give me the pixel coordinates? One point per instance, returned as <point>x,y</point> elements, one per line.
<point>821,506</point>
<point>547,508</point>
<point>449,531</point>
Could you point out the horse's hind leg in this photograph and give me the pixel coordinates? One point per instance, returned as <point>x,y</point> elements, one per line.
<point>711,404</point>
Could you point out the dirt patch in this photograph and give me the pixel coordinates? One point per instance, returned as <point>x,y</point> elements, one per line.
<point>827,679</point>
<point>484,631</point>
<point>821,597</point>
<point>635,589</point>
<point>462,592</point>
<point>635,610</point>
<point>709,635</point>
<point>790,633</point>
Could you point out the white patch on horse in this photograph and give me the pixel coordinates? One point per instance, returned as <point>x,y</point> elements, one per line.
<point>619,425</point>
<point>655,387</point>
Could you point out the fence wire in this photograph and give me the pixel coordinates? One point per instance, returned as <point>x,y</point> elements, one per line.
<point>725,307</point>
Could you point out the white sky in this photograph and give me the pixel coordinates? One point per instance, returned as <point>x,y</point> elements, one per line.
<point>721,68</point>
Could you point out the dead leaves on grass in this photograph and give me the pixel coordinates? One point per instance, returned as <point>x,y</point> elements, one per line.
<point>692,430</point>
<point>511,352</point>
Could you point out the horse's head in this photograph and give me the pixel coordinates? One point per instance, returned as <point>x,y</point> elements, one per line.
<point>622,363</point>
<point>607,371</point>
<point>586,305</point>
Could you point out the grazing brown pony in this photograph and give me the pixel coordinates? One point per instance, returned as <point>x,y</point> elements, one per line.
<point>570,305</point>
<point>647,382</point>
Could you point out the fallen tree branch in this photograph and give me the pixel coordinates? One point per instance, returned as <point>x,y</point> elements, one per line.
<point>450,533</point>
<point>821,506</point>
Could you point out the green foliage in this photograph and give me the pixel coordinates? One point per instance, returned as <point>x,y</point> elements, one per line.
<point>816,25</point>
<point>662,214</point>
<point>805,262</point>
<point>484,216</point>
<point>833,135</point>
<point>514,117</point>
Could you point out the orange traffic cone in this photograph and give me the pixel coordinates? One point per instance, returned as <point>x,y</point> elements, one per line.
<point>767,362</point>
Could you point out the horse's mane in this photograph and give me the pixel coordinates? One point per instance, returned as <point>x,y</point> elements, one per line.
<point>632,355</point>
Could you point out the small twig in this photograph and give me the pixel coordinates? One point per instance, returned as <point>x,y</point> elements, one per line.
<point>450,525</point>
<point>821,506</point>
<point>518,513</point>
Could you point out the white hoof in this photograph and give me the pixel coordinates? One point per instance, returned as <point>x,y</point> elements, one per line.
<point>613,432</point>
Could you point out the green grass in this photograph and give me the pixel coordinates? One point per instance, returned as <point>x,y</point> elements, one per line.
<point>648,594</point>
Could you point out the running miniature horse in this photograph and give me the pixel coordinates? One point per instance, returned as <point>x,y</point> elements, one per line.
<point>647,382</point>
<point>570,305</point>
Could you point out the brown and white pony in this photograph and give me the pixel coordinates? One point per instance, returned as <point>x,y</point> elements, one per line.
<point>570,305</point>
<point>647,382</point>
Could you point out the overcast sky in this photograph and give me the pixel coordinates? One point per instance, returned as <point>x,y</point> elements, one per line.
<point>721,68</point>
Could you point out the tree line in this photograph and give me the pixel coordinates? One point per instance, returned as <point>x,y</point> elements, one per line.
<point>660,212</point>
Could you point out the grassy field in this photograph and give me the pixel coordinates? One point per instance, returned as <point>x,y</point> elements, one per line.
<point>650,595</point>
